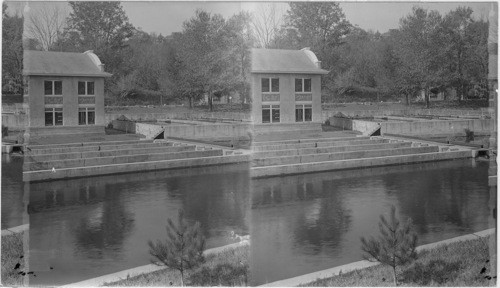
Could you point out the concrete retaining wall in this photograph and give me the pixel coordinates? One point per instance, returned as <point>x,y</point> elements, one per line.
<point>356,163</point>
<point>15,121</point>
<point>437,127</point>
<point>308,140</point>
<point>305,151</point>
<point>140,146</point>
<point>286,160</point>
<point>87,162</point>
<point>327,114</point>
<point>81,144</point>
<point>111,153</point>
<point>422,127</point>
<point>132,167</point>
<point>317,144</point>
<point>179,115</point>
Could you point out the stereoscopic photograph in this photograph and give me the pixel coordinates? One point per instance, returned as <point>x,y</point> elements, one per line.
<point>205,143</point>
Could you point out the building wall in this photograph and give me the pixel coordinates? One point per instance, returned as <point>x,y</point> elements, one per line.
<point>69,101</point>
<point>287,97</point>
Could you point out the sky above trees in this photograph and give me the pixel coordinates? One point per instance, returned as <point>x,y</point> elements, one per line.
<point>167,17</point>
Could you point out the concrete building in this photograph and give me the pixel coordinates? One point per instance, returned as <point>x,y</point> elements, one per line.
<point>64,92</point>
<point>286,86</point>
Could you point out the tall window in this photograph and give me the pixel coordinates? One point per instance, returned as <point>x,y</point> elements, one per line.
<point>303,113</point>
<point>270,113</point>
<point>53,87</point>
<point>86,116</point>
<point>302,84</point>
<point>270,85</point>
<point>85,87</point>
<point>53,116</point>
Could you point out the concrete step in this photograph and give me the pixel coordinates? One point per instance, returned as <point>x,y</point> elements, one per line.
<point>139,145</point>
<point>64,173</point>
<point>286,160</point>
<point>317,144</point>
<point>94,154</point>
<point>264,143</point>
<point>82,144</point>
<point>278,170</point>
<point>305,151</point>
<point>86,162</point>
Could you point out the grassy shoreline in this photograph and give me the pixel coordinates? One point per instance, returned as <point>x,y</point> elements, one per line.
<point>455,264</point>
<point>12,251</point>
<point>229,267</point>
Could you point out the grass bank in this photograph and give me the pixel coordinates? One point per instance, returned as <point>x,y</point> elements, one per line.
<point>456,264</point>
<point>12,251</point>
<point>227,268</point>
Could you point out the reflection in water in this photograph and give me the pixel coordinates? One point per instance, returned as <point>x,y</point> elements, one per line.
<point>12,191</point>
<point>89,227</point>
<point>317,220</point>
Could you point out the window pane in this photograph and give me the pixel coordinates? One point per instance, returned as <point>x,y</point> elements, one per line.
<point>299,117</point>
<point>81,117</point>
<point>48,87</point>
<point>58,88</point>
<point>49,119</point>
<point>81,88</point>
<point>266,115</point>
<point>307,85</point>
<point>276,115</point>
<point>59,118</point>
<point>298,85</point>
<point>91,117</point>
<point>308,114</point>
<point>265,84</point>
<point>275,85</point>
<point>90,88</point>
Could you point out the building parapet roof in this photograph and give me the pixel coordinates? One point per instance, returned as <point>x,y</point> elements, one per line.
<point>285,61</point>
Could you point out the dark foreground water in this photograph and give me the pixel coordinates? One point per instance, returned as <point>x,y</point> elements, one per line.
<point>88,227</point>
<point>301,224</point>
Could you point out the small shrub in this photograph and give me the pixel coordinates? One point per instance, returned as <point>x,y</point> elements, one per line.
<point>183,248</point>
<point>395,246</point>
<point>221,275</point>
<point>327,122</point>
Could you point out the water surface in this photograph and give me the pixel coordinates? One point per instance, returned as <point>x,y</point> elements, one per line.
<point>306,223</point>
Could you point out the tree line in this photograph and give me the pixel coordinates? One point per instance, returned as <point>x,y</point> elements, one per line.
<point>210,57</point>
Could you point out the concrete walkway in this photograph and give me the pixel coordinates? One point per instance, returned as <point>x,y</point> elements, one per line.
<point>308,278</point>
<point>14,230</point>
<point>99,281</point>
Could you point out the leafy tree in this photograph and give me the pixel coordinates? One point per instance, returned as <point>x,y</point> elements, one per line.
<point>419,53</point>
<point>12,52</point>
<point>183,248</point>
<point>465,44</point>
<point>99,26</point>
<point>395,246</point>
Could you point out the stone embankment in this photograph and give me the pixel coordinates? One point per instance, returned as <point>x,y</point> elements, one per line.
<point>46,162</point>
<point>283,157</point>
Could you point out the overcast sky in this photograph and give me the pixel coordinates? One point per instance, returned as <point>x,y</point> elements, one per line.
<point>167,17</point>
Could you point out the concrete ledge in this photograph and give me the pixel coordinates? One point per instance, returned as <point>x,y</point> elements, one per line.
<point>316,144</point>
<point>93,154</point>
<point>305,151</point>
<point>42,175</point>
<point>314,140</point>
<point>80,144</point>
<point>99,281</point>
<point>278,170</point>
<point>15,230</point>
<point>269,161</point>
<point>307,278</point>
<point>105,147</point>
<point>119,159</point>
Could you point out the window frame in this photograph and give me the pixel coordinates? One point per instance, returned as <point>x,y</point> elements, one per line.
<point>273,110</point>
<point>54,111</point>
<point>86,88</point>
<point>53,87</point>
<point>86,110</point>
<point>304,107</point>
<point>303,85</point>
<point>270,84</point>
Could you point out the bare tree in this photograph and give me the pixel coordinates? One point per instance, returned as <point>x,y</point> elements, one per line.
<point>46,24</point>
<point>266,23</point>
